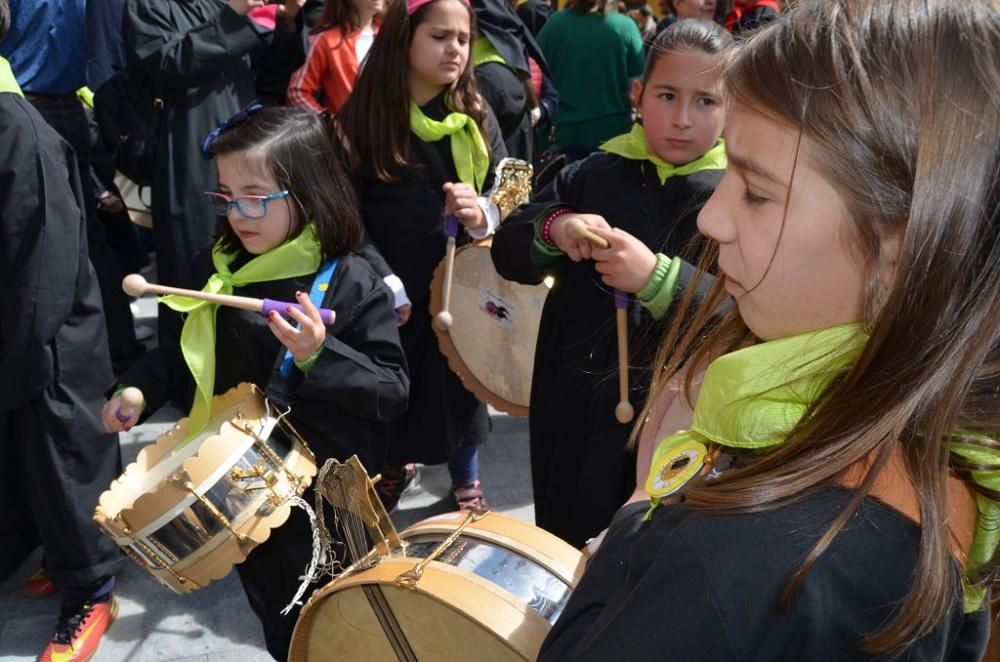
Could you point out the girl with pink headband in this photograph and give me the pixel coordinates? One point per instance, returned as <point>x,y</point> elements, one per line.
<point>421,145</point>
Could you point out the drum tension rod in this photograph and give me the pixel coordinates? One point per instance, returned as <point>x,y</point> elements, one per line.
<point>410,578</point>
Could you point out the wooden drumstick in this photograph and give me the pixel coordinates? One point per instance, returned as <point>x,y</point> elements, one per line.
<point>577,229</point>
<point>130,400</point>
<point>135,285</point>
<point>443,320</point>
<point>624,411</point>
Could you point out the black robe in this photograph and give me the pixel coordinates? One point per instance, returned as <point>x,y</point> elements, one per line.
<point>57,459</point>
<point>199,50</point>
<point>691,586</point>
<point>341,407</point>
<point>405,235</point>
<point>505,86</point>
<point>581,472</point>
<point>533,13</point>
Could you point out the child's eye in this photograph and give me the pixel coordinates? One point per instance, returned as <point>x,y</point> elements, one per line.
<point>751,198</point>
<point>706,101</point>
<point>667,96</point>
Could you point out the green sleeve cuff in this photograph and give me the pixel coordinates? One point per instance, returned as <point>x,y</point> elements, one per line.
<point>307,365</point>
<point>541,253</point>
<point>658,292</point>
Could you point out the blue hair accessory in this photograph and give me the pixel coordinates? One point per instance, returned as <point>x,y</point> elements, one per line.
<point>234,121</point>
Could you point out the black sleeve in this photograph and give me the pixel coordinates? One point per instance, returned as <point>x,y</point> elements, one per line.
<point>498,148</point>
<point>42,227</point>
<point>362,368</point>
<point>511,249</point>
<point>620,611</point>
<point>180,55</point>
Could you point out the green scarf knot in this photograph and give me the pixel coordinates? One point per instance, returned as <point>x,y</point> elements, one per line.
<point>634,145</point>
<point>299,257</point>
<point>468,149</point>
<point>752,399</point>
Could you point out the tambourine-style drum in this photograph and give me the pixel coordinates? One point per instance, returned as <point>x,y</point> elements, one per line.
<point>466,586</point>
<point>491,343</point>
<point>188,512</point>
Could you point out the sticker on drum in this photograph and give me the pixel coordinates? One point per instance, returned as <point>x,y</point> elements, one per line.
<point>499,310</point>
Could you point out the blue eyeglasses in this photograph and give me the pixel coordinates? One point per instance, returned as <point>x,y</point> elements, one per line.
<point>247,206</point>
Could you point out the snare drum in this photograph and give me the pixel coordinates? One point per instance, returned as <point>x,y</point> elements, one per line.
<point>466,586</point>
<point>188,512</point>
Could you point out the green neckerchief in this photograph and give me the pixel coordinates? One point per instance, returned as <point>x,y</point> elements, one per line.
<point>299,257</point>
<point>468,149</point>
<point>7,81</point>
<point>633,145</point>
<point>483,52</point>
<point>86,97</point>
<point>753,398</point>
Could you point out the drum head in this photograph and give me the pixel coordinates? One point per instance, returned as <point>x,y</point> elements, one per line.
<point>491,344</point>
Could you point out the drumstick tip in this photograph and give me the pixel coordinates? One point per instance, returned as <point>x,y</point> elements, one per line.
<point>443,320</point>
<point>624,412</point>
<point>134,285</point>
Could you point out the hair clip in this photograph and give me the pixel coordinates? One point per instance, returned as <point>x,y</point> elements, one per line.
<point>234,121</point>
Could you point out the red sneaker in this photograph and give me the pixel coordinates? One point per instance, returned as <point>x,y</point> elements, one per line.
<point>79,631</point>
<point>39,585</point>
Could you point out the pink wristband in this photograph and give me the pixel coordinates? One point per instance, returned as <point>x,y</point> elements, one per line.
<point>546,229</point>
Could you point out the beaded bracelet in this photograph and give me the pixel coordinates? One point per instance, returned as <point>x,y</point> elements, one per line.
<point>546,229</point>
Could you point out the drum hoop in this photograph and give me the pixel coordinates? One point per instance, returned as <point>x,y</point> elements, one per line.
<point>450,352</point>
<point>534,625</point>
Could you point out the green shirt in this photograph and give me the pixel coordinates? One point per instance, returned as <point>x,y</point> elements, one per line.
<point>593,59</point>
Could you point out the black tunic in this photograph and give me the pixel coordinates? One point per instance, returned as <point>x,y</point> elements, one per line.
<point>581,472</point>
<point>53,358</point>
<point>341,407</point>
<point>405,233</point>
<point>691,586</point>
<point>199,50</point>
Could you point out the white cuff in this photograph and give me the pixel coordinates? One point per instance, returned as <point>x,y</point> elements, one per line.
<point>492,219</point>
<point>393,282</point>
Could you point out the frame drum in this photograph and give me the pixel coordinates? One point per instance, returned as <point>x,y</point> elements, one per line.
<point>491,344</point>
<point>466,586</point>
<point>187,512</point>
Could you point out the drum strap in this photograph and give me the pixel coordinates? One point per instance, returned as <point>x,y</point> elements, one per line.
<point>277,387</point>
<point>393,631</point>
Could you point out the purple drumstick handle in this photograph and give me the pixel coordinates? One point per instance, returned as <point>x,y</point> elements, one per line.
<point>270,305</point>
<point>121,416</point>
<point>452,226</point>
<point>621,300</point>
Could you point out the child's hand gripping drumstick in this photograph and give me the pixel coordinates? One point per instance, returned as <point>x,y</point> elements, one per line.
<point>624,412</point>
<point>122,411</point>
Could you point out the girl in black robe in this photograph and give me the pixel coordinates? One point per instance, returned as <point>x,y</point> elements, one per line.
<point>406,186</point>
<point>581,471</point>
<point>343,383</point>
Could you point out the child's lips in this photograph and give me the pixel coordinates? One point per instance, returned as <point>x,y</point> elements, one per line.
<point>677,142</point>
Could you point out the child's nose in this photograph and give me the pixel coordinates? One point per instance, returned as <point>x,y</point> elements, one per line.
<point>715,219</point>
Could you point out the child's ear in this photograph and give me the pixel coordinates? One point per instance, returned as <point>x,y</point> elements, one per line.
<point>890,247</point>
<point>636,95</point>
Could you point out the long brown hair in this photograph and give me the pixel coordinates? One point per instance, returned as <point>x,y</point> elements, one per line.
<point>337,14</point>
<point>898,102</point>
<point>374,124</point>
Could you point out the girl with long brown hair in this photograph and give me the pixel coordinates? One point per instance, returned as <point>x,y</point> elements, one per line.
<point>421,144</point>
<point>822,465</point>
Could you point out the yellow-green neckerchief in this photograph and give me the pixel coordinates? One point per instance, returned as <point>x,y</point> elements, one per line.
<point>298,257</point>
<point>86,97</point>
<point>7,81</point>
<point>633,145</point>
<point>753,397</point>
<point>468,149</point>
<point>483,52</point>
